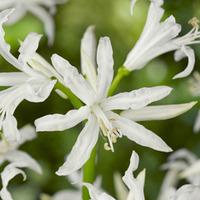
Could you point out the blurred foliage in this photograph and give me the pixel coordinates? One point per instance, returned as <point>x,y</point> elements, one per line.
<point>111,18</point>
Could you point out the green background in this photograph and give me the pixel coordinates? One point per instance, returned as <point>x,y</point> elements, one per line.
<point>111,18</point>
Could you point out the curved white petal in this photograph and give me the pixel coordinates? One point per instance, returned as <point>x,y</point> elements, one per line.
<point>189,53</point>
<point>183,154</point>
<point>88,56</point>
<point>4,47</point>
<point>95,194</point>
<point>39,64</point>
<point>136,99</point>
<point>168,187</point>
<point>187,192</point>
<point>157,112</point>
<point>47,20</point>
<point>82,149</point>
<point>23,160</point>
<point>73,79</point>
<point>135,185</point>
<point>12,78</point>
<point>192,170</point>
<point>19,13</point>
<point>105,66</point>
<point>9,173</point>
<point>29,46</point>
<point>58,122</point>
<point>39,92</point>
<point>10,129</point>
<point>140,134</point>
<point>27,133</point>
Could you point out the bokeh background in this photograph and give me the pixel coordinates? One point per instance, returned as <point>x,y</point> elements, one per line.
<point>111,18</point>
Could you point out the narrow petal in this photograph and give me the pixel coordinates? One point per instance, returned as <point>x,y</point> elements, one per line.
<point>140,134</point>
<point>23,160</point>
<point>192,170</point>
<point>9,173</point>
<point>82,149</point>
<point>73,79</point>
<point>19,13</point>
<point>169,184</point>
<point>29,46</point>
<point>58,122</point>
<point>136,99</point>
<point>4,47</point>
<point>47,20</point>
<point>135,185</point>
<point>39,92</point>
<point>105,66</point>
<point>10,129</point>
<point>187,192</point>
<point>95,194</point>
<point>183,154</point>
<point>42,66</point>
<point>189,53</point>
<point>12,78</point>
<point>88,56</point>
<point>27,133</point>
<point>157,112</point>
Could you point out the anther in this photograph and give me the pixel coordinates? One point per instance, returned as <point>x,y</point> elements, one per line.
<point>107,147</point>
<point>194,22</point>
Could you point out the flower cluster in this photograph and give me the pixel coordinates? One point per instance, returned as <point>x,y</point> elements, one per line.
<point>110,116</point>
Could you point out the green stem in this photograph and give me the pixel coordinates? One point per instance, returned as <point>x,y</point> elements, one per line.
<point>121,73</point>
<point>89,173</point>
<point>74,100</point>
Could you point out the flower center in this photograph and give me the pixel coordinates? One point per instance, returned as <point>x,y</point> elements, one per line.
<point>108,131</point>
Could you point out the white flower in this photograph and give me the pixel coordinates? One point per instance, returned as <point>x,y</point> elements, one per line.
<point>33,83</point>
<point>134,185</point>
<point>17,159</point>
<point>37,8</point>
<point>181,164</point>
<point>159,37</point>
<point>98,109</point>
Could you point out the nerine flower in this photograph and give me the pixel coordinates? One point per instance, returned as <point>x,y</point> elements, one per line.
<point>17,159</point>
<point>159,37</point>
<point>37,8</point>
<point>182,164</point>
<point>33,82</point>
<point>134,185</point>
<point>98,109</point>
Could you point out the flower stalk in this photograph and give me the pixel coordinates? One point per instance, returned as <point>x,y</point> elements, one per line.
<point>73,99</point>
<point>89,173</point>
<point>121,73</point>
